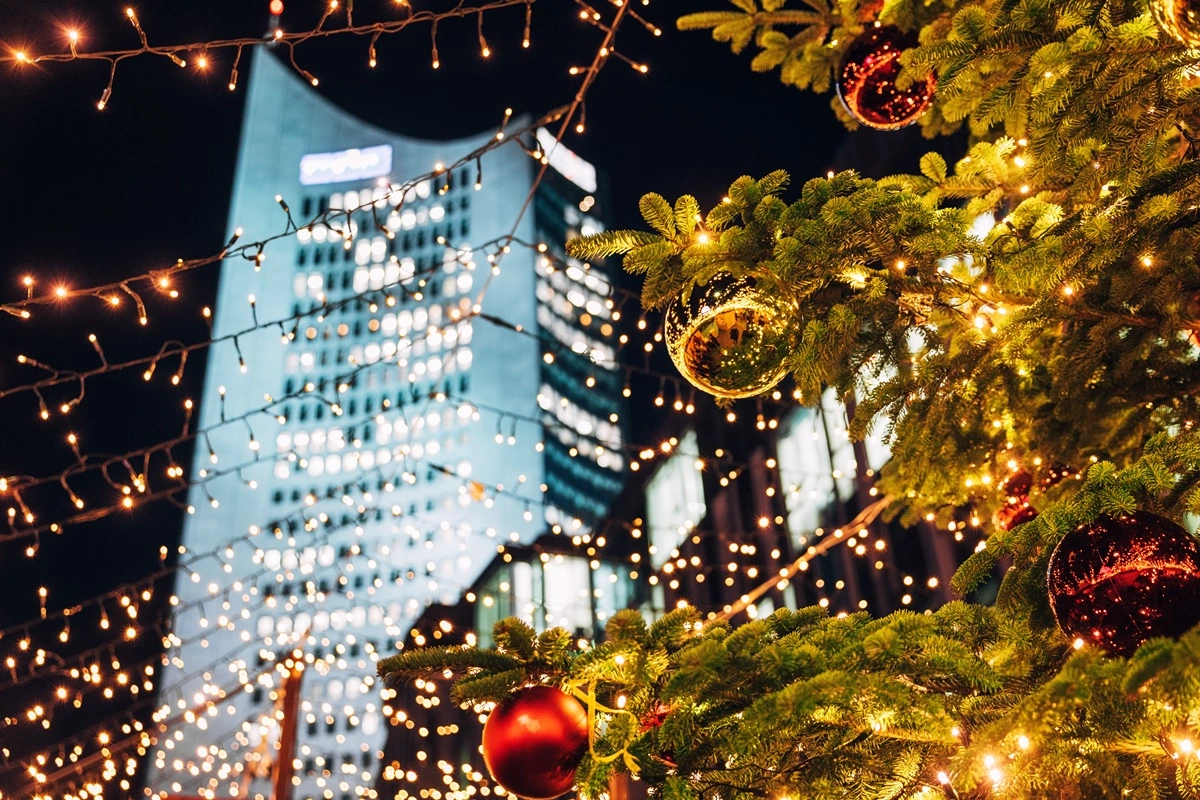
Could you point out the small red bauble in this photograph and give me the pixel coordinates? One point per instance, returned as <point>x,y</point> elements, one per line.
<point>867,80</point>
<point>1055,474</point>
<point>1119,581</point>
<point>534,740</point>
<point>1015,514</point>
<point>654,717</point>
<point>1016,486</point>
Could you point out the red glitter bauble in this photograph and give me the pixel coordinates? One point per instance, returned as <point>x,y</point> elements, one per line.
<point>534,740</point>
<point>1015,514</point>
<point>867,80</point>
<point>1055,474</point>
<point>1016,486</point>
<point>1119,581</point>
<point>654,717</point>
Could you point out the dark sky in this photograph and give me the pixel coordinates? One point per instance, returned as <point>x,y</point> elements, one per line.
<point>89,197</point>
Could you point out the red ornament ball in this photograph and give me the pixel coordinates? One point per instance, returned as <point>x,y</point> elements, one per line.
<point>1055,474</point>
<point>1119,581</point>
<point>1016,486</point>
<point>1015,514</point>
<point>654,717</point>
<point>867,80</point>
<point>534,740</point>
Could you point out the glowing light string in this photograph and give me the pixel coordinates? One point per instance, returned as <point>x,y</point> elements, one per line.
<point>160,279</point>
<point>279,37</point>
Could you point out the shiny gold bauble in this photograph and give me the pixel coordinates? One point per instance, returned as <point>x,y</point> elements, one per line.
<point>1179,19</point>
<point>731,338</point>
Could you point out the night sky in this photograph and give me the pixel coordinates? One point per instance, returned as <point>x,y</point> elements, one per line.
<point>91,196</point>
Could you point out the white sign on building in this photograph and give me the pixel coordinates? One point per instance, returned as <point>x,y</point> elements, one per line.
<point>346,165</point>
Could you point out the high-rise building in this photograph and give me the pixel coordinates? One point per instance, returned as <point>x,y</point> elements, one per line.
<point>415,408</point>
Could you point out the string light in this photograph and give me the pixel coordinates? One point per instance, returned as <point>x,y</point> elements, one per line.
<point>176,52</point>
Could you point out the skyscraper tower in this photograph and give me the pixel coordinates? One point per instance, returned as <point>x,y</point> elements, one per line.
<point>415,407</point>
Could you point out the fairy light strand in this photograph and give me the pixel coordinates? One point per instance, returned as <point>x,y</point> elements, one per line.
<point>205,48</point>
<point>160,279</point>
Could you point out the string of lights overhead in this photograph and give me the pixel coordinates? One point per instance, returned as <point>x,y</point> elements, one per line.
<point>340,223</point>
<point>203,55</point>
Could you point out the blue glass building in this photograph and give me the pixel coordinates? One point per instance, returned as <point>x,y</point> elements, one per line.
<point>367,455</point>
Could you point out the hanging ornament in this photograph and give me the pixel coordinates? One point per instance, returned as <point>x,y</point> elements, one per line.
<point>1015,514</point>
<point>1016,509</point>
<point>867,80</point>
<point>1119,581</point>
<point>1193,312</point>
<point>654,718</point>
<point>1179,19</point>
<point>534,740</point>
<point>729,337</point>
<point>1055,474</point>
<point>1016,486</point>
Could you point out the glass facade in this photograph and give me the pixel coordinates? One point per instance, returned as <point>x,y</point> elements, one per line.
<point>675,500</point>
<point>817,465</point>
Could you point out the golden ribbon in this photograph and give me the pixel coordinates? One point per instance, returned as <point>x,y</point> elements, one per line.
<point>594,707</point>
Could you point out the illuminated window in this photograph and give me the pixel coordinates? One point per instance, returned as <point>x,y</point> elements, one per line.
<point>674,500</point>
<point>566,594</point>
<point>817,464</point>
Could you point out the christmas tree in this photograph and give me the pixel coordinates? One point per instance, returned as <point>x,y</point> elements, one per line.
<point>1024,327</point>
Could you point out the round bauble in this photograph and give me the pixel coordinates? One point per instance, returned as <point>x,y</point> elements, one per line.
<point>1179,19</point>
<point>1016,486</point>
<point>1055,474</point>
<point>729,337</point>
<point>654,717</point>
<point>1119,581</point>
<point>1015,514</point>
<point>534,740</point>
<point>866,80</point>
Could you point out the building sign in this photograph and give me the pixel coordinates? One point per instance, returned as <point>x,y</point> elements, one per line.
<point>569,165</point>
<point>346,165</point>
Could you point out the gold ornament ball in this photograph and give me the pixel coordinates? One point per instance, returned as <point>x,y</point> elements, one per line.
<point>1179,19</point>
<point>730,338</point>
